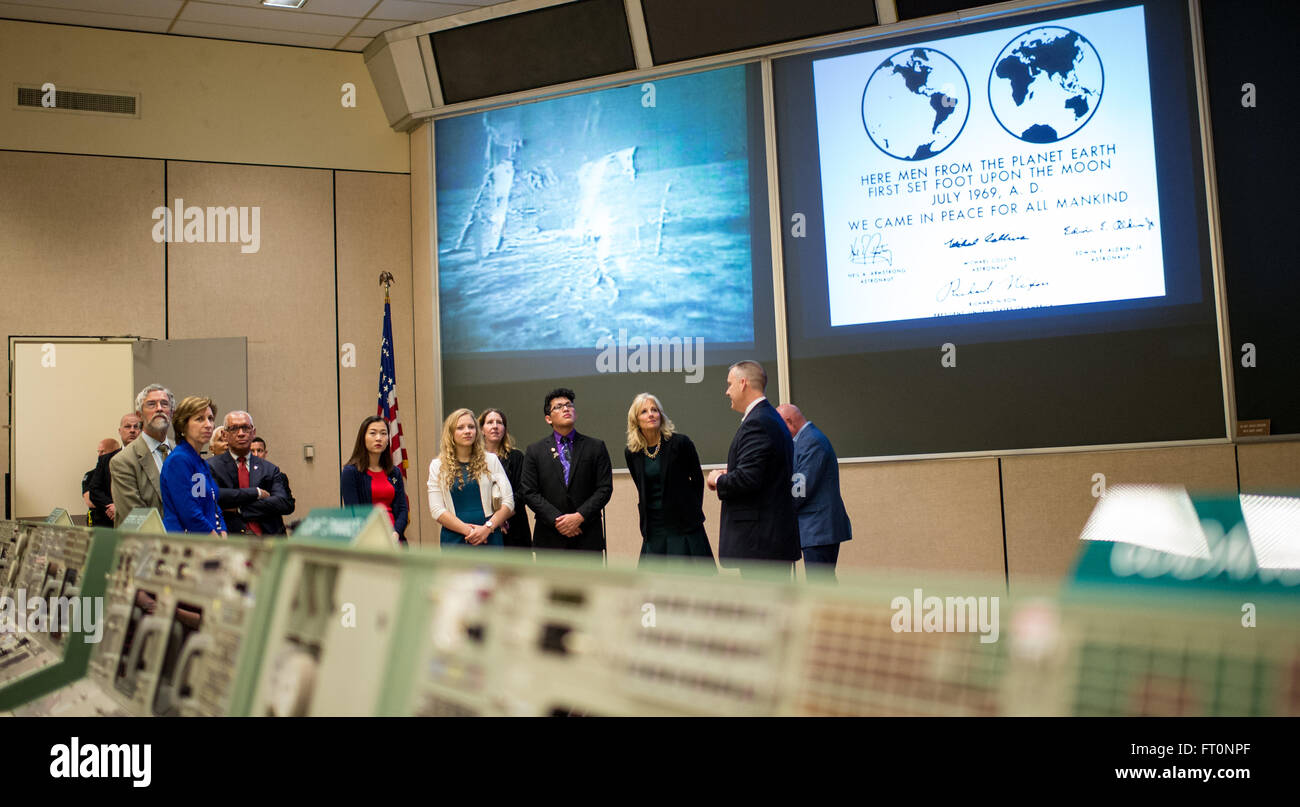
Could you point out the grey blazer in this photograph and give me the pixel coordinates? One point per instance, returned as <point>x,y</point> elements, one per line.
<point>135,480</point>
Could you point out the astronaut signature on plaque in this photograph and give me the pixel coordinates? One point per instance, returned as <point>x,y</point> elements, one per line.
<point>870,248</point>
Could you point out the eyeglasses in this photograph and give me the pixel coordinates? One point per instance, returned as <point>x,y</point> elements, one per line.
<point>561,406</point>
<point>239,429</point>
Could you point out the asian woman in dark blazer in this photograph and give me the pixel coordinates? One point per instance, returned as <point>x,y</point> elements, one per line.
<point>665,468</point>
<point>371,477</point>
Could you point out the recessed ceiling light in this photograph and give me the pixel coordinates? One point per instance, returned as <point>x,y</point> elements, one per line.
<point>284,3</point>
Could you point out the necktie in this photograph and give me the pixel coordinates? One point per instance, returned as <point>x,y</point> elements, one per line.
<point>564,457</point>
<point>243,483</point>
<point>163,448</point>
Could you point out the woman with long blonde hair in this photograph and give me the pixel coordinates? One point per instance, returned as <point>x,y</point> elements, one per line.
<point>665,468</point>
<point>462,480</point>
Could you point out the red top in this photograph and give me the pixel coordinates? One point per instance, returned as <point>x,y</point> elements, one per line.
<point>382,491</point>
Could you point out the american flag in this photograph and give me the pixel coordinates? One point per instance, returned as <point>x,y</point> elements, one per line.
<point>388,389</point>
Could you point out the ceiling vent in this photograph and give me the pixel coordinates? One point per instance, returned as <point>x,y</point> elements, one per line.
<point>31,97</point>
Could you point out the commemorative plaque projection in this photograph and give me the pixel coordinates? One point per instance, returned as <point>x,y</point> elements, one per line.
<point>1025,192</point>
<point>989,181</point>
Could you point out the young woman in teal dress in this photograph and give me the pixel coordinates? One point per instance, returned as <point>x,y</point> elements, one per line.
<point>461,482</point>
<point>665,468</point>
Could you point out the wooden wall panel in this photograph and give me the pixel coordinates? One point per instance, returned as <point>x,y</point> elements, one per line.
<point>200,99</point>
<point>1048,497</point>
<point>425,308</point>
<point>933,515</point>
<point>281,297</point>
<point>937,515</point>
<point>77,259</point>
<point>622,523</point>
<point>373,219</point>
<point>1269,467</point>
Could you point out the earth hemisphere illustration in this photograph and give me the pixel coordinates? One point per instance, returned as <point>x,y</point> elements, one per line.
<point>915,104</point>
<point>1046,84</point>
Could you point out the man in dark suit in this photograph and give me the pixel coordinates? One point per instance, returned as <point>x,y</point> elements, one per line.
<point>100,486</point>
<point>823,521</point>
<point>758,520</point>
<point>567,481</point>
<point>253,495</point>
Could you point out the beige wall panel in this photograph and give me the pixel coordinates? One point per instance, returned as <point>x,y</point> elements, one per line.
<point>425,308</point>
<point>931,515</point>
<point>281,298</point>
<point>373,219</point>
<point>1049,496</point>
<point>934,516</point>
<point>200,99</point>
<point>939,515</point>
<point>76,255</point>
<point>1269,467</point>
<point>622,524</point>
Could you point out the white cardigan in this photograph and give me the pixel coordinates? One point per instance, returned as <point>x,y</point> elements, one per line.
<point>440,497</point>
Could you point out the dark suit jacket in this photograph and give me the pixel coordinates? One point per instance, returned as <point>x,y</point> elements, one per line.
<point>519,535</point>
<point>822,517</point>
<point>591,483</point>
<point>682,480</point>
<point>758,520</point>
<point>135,480</point>
<point>354,487</point>
<point>241,505</point>
<point>101,490</point>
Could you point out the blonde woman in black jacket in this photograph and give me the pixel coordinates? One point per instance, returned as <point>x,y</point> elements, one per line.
<point>665,467</point>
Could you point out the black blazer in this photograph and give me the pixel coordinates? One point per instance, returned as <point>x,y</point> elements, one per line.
<point>519,535</point>
<point>683,483</point>
<point>241,505</point>
<point>591,483</point>
<point>354,487</point>
<point>758,519</point>
<point>101,490</point>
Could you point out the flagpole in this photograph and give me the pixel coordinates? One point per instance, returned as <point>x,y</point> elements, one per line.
<point>388,378</point>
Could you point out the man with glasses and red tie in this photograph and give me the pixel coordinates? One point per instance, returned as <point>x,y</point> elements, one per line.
<point>567,481</point>
<point>253,495</point>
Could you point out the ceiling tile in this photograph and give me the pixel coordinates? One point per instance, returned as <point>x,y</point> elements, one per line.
<point>88,18</point>
<point>355,43</point>
<point>127,8</point>
<point>254,35</point>
<point>266,18</point>
<point>417,12</point>
<point>339,8</point>
<point>371,28</point>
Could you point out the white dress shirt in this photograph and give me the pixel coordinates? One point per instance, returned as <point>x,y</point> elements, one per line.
<point>153,448</point>
<point>751,406</point>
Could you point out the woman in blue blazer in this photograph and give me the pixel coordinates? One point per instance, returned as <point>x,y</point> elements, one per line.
<point>370,477</point>
<point>189,492</point>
